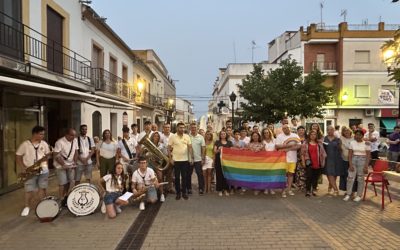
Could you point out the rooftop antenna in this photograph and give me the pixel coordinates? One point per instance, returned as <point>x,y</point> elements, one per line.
<point>234,51</point>
<point>321,6</point>
<point>365,21</point>
<point>344,14</point>
<point>253,47</point>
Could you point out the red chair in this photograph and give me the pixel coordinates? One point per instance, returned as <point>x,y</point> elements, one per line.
<point>376,176</point>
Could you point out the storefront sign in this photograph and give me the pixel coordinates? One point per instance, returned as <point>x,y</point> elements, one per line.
<point>385,96</point>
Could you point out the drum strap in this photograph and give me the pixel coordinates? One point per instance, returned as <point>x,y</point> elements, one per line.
<point>70,151</point>
<point>127,148</point>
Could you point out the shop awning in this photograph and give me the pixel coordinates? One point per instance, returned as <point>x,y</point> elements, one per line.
<point>81,95</point>
<point>389,124</point>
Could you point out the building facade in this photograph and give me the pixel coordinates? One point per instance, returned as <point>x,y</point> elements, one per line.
<point>349,55</point>
<point>184,111</point>
<point>220,106</point>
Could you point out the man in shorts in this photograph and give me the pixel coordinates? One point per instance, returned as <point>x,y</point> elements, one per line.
<point>29,152</point>
<point>85,152</point>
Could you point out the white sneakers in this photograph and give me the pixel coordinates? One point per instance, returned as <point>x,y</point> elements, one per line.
<point>283,194</point>
<point>25,212</point>
<point>291,192</point>
<point>162,198</point>
<point>219,193</point>
<point>356,199</point>
<point>103,208</point>
<point>141,206</point>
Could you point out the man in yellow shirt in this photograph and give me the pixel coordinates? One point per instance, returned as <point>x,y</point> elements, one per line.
<point>180,148</point>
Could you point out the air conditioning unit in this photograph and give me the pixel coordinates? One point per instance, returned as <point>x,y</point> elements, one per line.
<point>369,112</point>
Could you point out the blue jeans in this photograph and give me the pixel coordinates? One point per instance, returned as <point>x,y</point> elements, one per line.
<point>199,172</point>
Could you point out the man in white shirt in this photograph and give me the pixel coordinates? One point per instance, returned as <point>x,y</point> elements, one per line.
<point>28,153</point>
<point>134,133</point>
<point>65,158</point>
<point>198,158</point>
<point>166,134</point>
<point>85,152</point>
<point>243,136</point>
<point>128,150</point>
<point>372,136</point>
<point>289,142</point>
<point>144,180</point>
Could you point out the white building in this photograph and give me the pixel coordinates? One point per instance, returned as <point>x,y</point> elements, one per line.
<point>227,82</point>
<point>184,111</point>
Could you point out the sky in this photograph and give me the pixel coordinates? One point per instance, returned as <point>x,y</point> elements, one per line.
<point>196,38</point>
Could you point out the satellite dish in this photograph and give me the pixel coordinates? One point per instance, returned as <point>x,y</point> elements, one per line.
<point>224,110</point>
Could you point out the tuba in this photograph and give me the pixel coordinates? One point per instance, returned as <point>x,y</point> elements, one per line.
<point>154,154</point>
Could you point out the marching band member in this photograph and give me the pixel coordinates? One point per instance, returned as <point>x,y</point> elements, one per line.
<point>145,181</point>
<point>85,152</point>
<point>127,150</point>
<point>147,130</point>
<point>65,158</point>
<point>166,134</point>
<point>29,152</point>
<point>155,138</point>
<point>134,133</point>
<point>113,185</point>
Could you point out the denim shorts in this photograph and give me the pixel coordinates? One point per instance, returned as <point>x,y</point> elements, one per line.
<point>65,176</point>
<point>151,193</point>
<point>38,181</point>
<point>111,197</point>
<point>83,169</point>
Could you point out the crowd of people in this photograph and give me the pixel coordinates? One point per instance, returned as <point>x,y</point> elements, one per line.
<point>343,155</point>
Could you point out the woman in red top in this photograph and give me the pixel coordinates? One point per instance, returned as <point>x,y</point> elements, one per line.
<point>313,159</point>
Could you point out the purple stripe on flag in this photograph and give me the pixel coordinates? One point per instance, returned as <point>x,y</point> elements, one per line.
<point>257,185</point>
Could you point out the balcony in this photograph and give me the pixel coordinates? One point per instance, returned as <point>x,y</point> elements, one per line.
<point>150,100</point>
<point>105,81</point>
<point>25,45</point>
<point>324,66</point>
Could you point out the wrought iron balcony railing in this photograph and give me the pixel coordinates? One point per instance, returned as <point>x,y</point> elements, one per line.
<point>27,45</point>
<point>104,80</point>
<point>324,66</point>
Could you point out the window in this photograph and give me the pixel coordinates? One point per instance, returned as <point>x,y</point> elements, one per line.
<point>124,73</point>
<point>113,65</point>
<point>362,56</point>
<point>361,91</point>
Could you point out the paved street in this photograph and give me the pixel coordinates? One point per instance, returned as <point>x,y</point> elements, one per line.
<point>212,222</point>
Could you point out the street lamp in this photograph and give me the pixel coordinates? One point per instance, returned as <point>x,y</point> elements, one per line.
<point>345,97</point>
<point>140,88</point>
<point>232,97</point>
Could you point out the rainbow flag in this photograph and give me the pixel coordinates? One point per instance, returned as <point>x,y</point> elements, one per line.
<point>254,170</point>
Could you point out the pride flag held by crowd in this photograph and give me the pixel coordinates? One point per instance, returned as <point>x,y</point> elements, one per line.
<point>254,170</point>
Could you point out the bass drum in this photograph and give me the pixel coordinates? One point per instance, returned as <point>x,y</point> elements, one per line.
<point>84,199</point>
<point>48,209</point>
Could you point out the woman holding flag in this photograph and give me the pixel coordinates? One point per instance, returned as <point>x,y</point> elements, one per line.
<point>222,185</point>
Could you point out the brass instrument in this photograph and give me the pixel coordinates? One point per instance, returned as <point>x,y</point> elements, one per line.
<point>154,154</point>
<point>34,169</point>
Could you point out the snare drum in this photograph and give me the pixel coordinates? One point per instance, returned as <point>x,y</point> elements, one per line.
<point>48,209</point>
<point>83,199</point>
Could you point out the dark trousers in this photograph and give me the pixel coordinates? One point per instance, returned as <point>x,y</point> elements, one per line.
<point>312,178</point>
<point>199,172</point>
<point>374,155</point>
<point>181,168</point>
<point>221,181</point>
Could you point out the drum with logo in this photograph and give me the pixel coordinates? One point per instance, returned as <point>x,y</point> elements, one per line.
<point>48,209</point>
<point>83,199</point>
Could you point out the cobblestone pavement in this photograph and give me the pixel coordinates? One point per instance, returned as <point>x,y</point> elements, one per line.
<point>212,222</point>
<point>270,222</point>
<point>65,232</point>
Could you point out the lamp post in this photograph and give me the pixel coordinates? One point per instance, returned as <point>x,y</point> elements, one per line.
<point>232,97</point>
<point>345,96</point>
<point>391,55</point>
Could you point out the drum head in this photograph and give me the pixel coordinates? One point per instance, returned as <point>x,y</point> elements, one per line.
<point>83,199</point>
<point>47,209</point>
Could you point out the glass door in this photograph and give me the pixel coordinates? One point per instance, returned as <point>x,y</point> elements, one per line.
<point>18,127</point>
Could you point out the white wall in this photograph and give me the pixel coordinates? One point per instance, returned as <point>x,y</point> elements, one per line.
<point>86,118</point>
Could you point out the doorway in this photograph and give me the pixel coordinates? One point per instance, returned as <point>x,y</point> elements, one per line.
<point>54,41</point>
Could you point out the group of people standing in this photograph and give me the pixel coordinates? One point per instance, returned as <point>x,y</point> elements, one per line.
<point>124,164</point>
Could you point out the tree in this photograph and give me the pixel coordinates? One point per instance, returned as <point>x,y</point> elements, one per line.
<point>391,56</point>
<point>283,92</point>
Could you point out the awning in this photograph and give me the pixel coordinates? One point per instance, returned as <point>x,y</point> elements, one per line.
<point>389,124</point>
<point>80,94</point>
